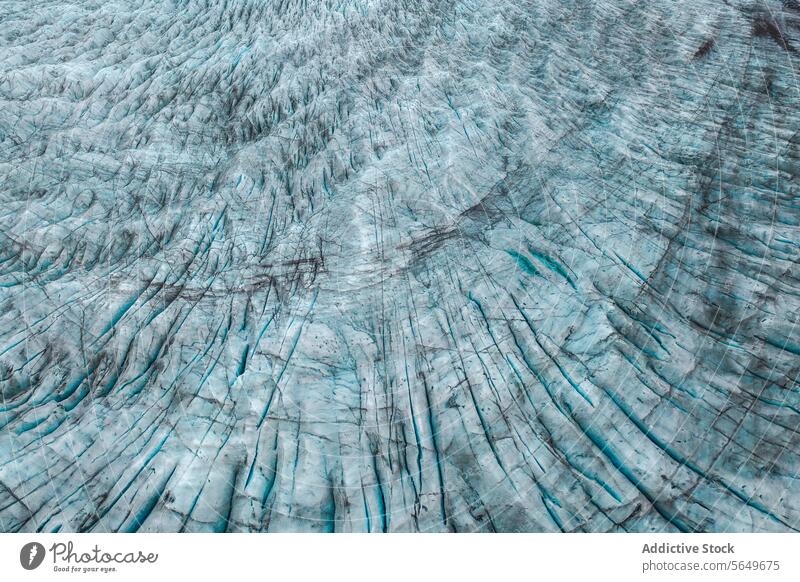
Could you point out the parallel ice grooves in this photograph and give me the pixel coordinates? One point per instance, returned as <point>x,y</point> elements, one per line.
<point>399,265</point>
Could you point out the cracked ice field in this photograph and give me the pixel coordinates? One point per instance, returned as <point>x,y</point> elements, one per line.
<point>399,265</point>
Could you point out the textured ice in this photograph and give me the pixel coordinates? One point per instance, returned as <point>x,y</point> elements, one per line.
<point>399,265</point>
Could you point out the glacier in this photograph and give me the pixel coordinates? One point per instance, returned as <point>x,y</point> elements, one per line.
<point>393,265</point>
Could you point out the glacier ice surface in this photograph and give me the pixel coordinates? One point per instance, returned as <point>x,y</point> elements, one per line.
<point>395,265</point>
